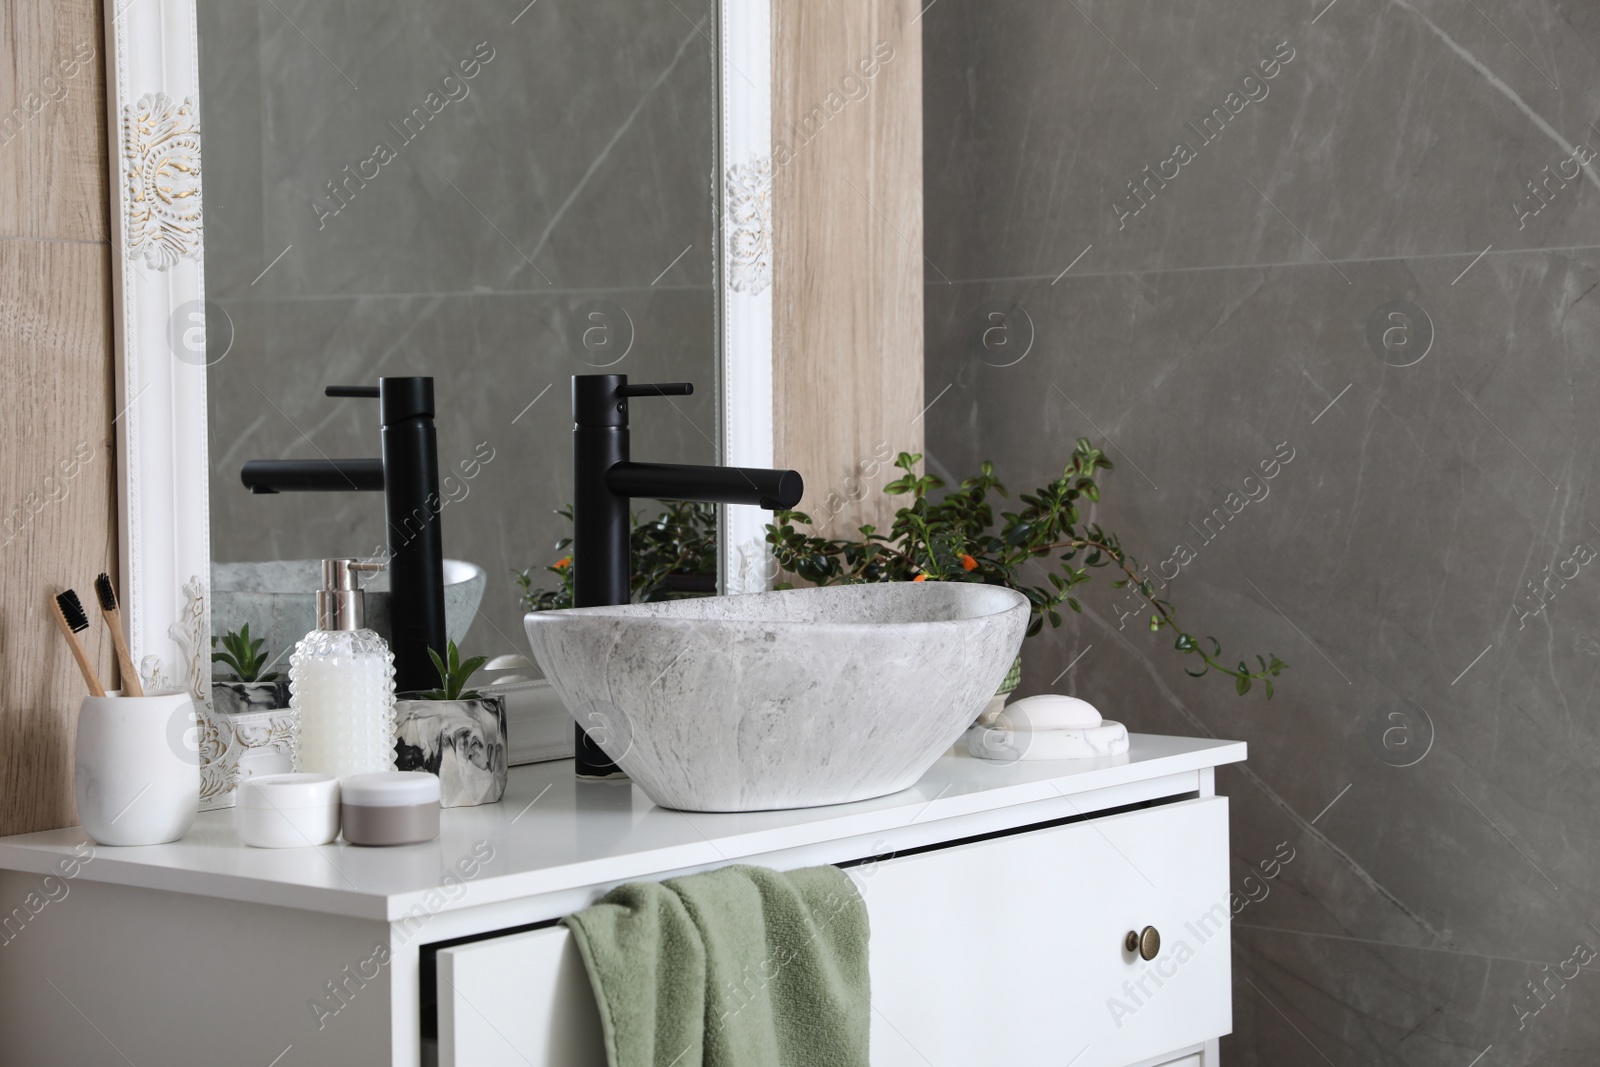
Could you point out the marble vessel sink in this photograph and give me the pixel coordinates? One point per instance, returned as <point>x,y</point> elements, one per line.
<point>278,598</point>
<point>789,699</point>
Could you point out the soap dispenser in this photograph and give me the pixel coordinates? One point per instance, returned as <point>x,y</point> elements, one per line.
<point>341,683</point>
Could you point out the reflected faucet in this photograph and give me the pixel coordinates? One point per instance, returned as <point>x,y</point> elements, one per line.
<point>605,480</point>
<point>408,478</point>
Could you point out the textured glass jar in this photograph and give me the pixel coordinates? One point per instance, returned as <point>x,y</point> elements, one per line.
<point>341,686</point>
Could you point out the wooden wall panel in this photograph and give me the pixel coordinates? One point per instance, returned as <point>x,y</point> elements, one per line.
<point>57,529</point>
<point>52,120</point>
<point>848,266</point>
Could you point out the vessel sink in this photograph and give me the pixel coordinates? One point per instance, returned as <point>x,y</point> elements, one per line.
<point>278,598</point>
<point>788,699</point>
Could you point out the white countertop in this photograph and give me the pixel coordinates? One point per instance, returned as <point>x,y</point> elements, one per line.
<point>552,833</point>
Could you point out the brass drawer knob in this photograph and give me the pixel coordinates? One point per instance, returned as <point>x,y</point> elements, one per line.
<point>1146,942</point>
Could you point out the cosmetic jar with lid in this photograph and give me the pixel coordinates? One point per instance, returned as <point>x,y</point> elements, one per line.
<point>390,807</point>
<point>287,810</point>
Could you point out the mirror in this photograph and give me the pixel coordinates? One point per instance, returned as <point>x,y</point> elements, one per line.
<point>497,198</point>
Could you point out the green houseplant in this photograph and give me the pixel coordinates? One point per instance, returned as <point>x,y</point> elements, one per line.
<point>453,674</point>
<point>958,537</point>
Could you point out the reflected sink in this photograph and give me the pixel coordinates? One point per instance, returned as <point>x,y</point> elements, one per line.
<point>278,598</point>
<point>789,699</point>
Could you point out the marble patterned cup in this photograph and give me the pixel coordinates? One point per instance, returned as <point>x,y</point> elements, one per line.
<point>134,785</point>
<point>463,742</point>
<point>247,698</point>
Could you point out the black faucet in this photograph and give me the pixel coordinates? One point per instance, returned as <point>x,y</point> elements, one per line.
<point>604,481</point>
<point>408,478</point>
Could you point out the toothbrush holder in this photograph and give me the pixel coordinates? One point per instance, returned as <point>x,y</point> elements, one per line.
<point>136,769</point>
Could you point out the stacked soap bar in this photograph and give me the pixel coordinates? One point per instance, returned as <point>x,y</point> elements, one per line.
<point>1047,727</point>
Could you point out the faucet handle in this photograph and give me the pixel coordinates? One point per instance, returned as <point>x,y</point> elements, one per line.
<point>399,398</point>
<point>663,389</point>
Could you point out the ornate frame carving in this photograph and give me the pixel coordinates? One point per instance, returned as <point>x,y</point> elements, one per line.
<point>158,284</point>
<point>161,166</point>
<point>744,165</point>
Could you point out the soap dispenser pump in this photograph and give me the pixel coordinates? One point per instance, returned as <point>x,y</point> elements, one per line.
<point>341,683</point>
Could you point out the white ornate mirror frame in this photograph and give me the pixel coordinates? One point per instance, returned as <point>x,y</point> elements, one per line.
<point>159,301</point>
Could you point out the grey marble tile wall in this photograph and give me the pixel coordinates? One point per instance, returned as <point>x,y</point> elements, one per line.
<point>455,190</point>
<point>1360,239</point>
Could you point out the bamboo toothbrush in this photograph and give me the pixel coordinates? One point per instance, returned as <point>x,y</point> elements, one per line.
<point>73,620</point>
<point>108,610</point>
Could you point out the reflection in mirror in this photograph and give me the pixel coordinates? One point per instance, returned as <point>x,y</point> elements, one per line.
<point>498,200</point>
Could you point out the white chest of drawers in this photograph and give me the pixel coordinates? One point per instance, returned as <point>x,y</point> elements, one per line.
<point>1000,899</point>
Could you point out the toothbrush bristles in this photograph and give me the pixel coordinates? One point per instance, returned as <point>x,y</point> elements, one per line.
<point>104,590</point>
<point>72,611</point>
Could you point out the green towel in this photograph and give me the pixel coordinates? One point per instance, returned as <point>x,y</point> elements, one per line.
<point>739,967</point>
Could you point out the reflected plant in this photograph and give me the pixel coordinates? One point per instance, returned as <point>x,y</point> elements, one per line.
<point>674,556</point>
<point>243,656</point>
<point>956,538</point>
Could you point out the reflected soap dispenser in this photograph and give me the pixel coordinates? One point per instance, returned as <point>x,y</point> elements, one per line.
<point>341,683</point>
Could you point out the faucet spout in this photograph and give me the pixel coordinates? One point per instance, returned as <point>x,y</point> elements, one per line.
<point>313,475</point>
<point>770,489</point>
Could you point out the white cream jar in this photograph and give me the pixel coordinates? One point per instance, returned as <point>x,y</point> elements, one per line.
<point>390,807</point>
<point>287,810</point>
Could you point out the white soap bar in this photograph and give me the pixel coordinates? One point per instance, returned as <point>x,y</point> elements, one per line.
<point>1002,745</point>
<point>1050,711</point>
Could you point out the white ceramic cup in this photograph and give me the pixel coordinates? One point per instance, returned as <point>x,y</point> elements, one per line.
<point>135,784</point>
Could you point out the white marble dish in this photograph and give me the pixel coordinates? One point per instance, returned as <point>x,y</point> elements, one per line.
<point>782,700</point>
<point>1009,743</point>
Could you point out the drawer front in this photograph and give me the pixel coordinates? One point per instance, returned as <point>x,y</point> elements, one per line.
<point>518,1001</point>
<point>1011,950</point>
<point>1003,951</point>
<point>1191,1060</point>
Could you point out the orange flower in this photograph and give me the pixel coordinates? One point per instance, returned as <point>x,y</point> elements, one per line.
<point>968,563</point>
<point>563,563</point>
<point>920,578</point>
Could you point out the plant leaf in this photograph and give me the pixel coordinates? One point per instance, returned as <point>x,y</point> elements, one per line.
<point>927,537</point>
